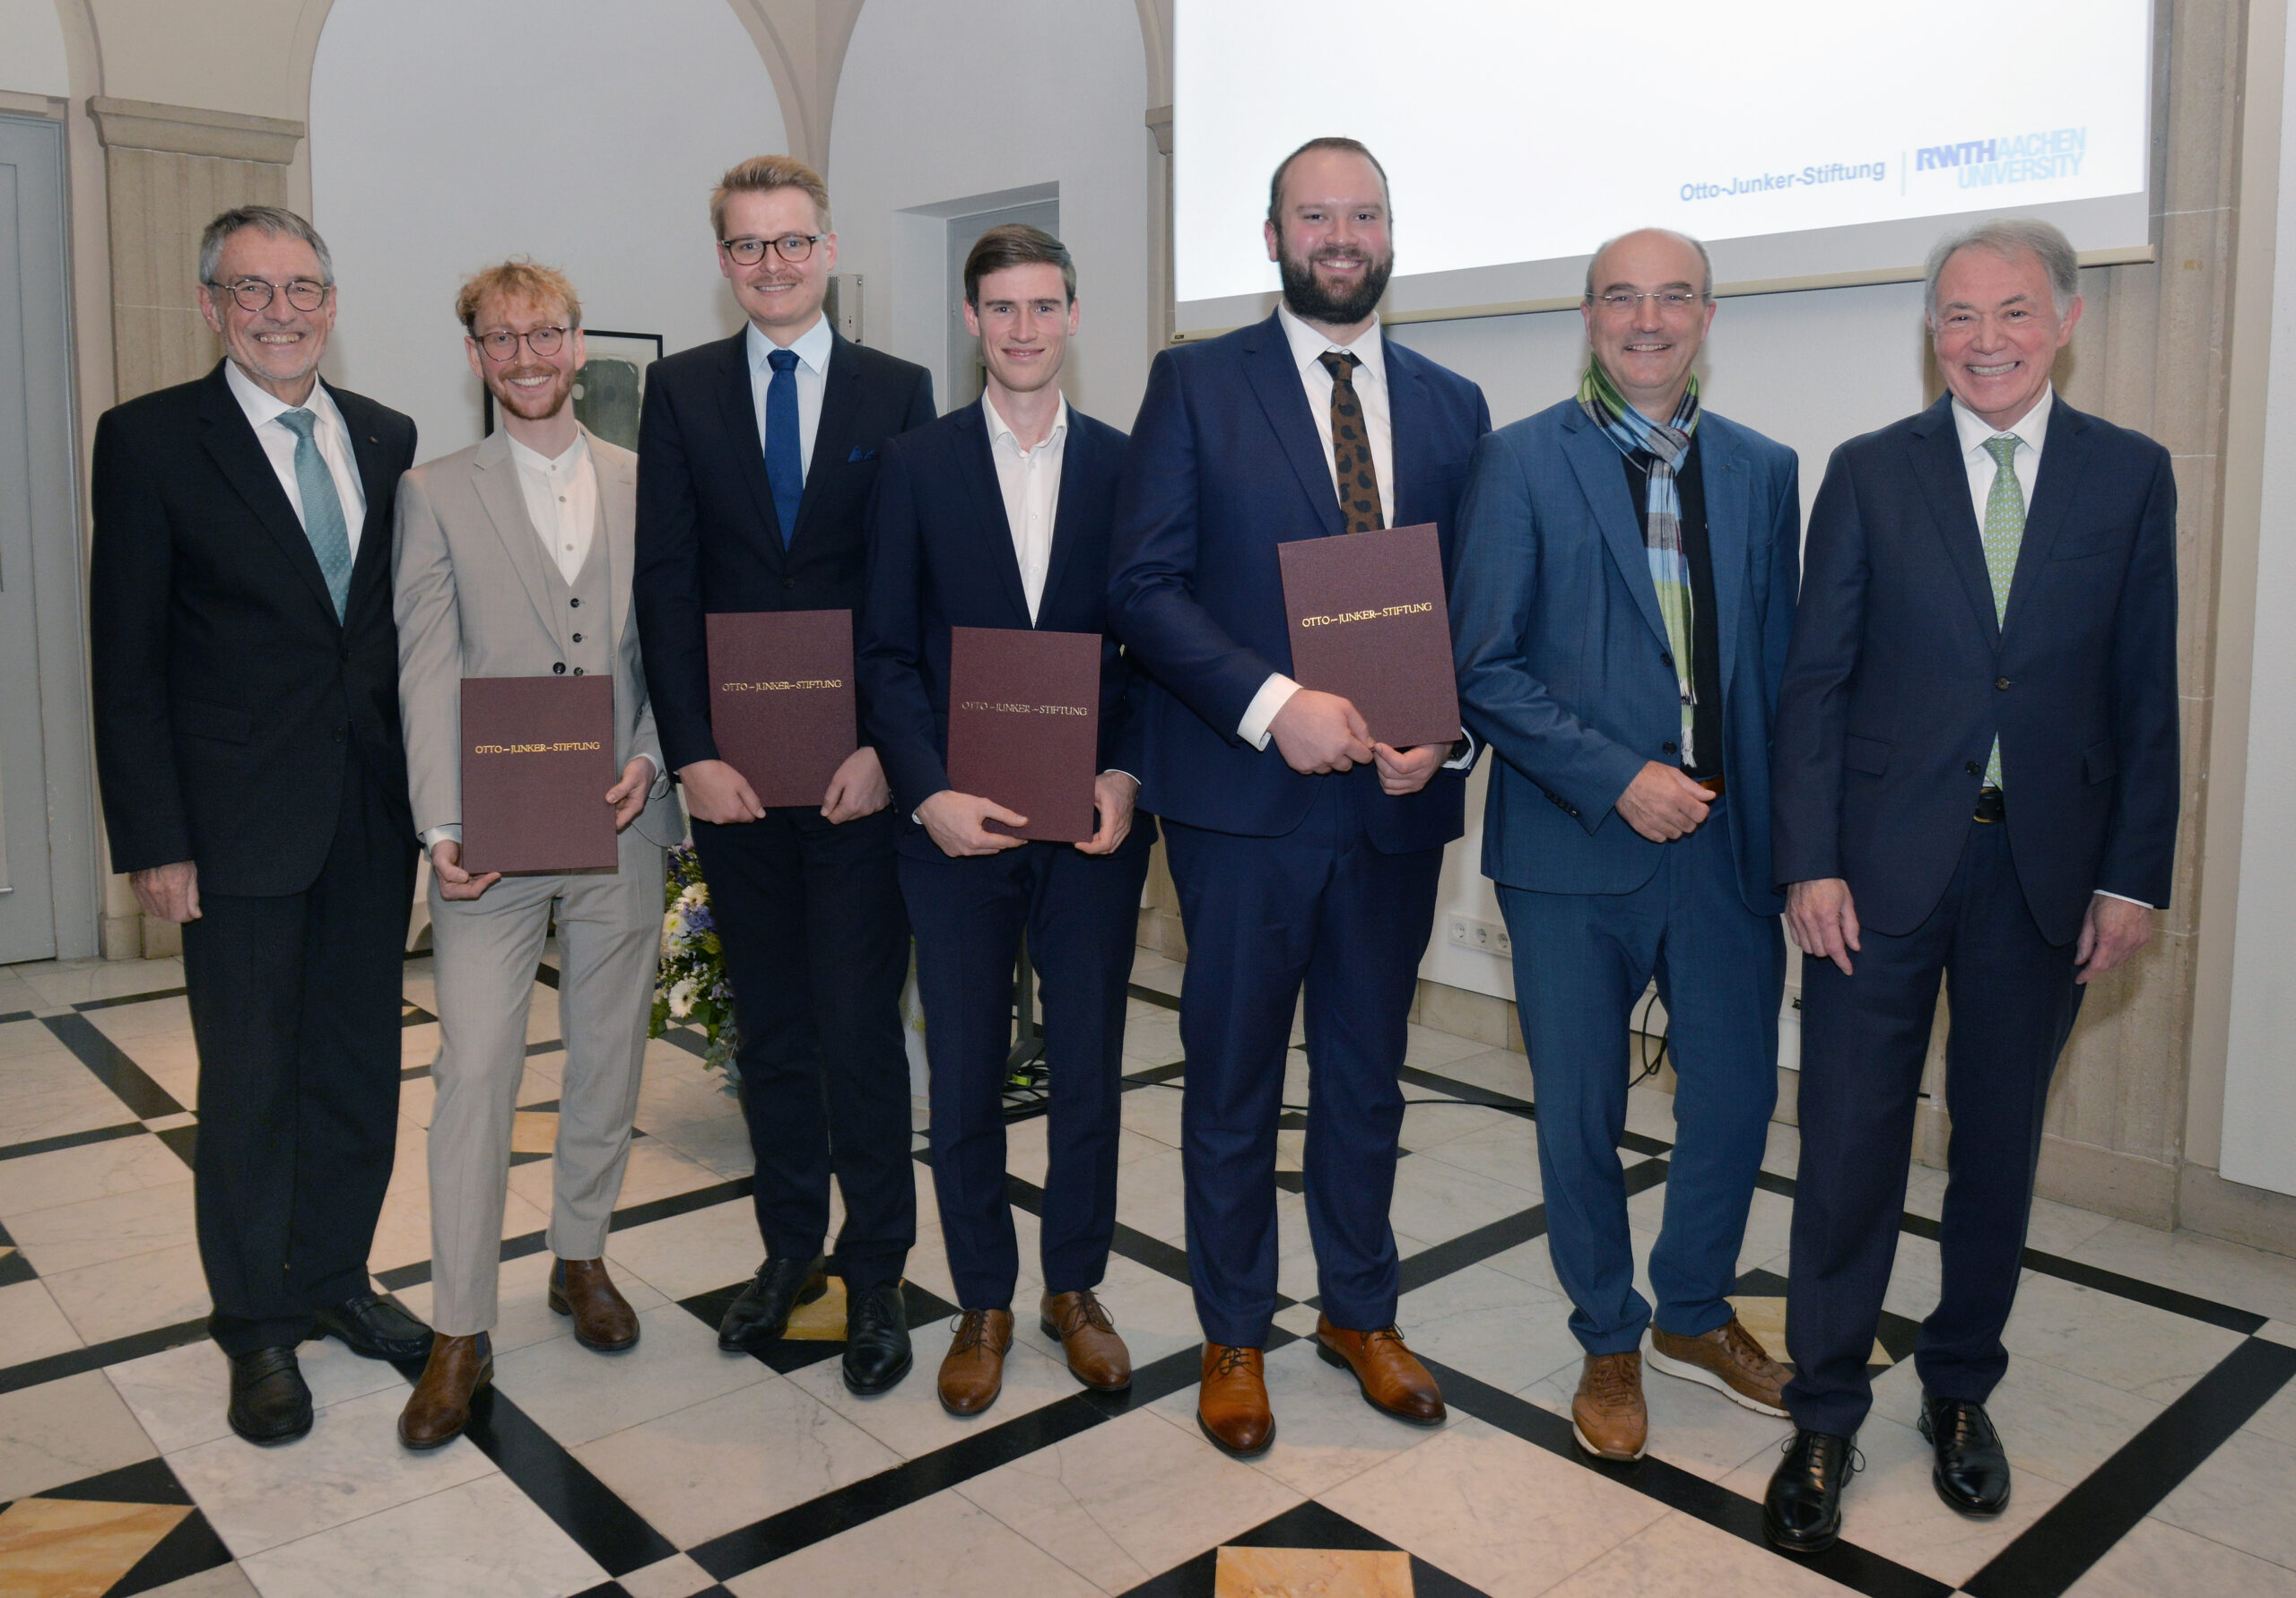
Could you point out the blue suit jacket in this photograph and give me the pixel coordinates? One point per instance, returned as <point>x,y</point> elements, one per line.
<point>1562,654</point>
<point>941,556</point>
<point>1225,463</point>
<point>1899,677</point>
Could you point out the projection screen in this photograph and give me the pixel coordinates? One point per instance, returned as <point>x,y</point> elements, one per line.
<point>1806,140</point>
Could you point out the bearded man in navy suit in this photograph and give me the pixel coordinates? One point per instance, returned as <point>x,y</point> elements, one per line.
<point>1304,853</point>
<point>1975,779</point>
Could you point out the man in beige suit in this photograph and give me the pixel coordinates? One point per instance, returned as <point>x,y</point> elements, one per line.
<point>514,560</point>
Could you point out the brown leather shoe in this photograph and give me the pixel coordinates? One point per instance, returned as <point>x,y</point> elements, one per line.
<point>1729,1359</point>
<point>1097,1356</point>
<point>1607,1415</point>
<point>437,1410</point>
<point>603,1318</point>
<point>972,1372</point>
<point>1231,1405</point>
<point>1393,1380</point>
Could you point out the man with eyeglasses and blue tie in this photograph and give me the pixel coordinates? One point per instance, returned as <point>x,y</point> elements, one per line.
<point>255,791</point>
<point>756,457</point>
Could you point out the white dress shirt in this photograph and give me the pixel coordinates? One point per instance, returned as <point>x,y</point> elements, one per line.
<point>812,348</point>
<point>2032,432</point>
<point>1030,482</point>
<point>562,501</point>
<point>332,437</point>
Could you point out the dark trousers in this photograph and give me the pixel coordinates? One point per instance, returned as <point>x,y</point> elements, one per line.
<point>1582,961</point>
<point>1863,1037</point>
<point>1082,915</point>
<point>294,1002</point>
<point>809,918</point>
<point>1319,906</point>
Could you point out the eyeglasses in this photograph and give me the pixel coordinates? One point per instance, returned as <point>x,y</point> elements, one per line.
<point>1625,304</point>
<point>502,344</point>
<point>789,247</point>
<point>253,293</point>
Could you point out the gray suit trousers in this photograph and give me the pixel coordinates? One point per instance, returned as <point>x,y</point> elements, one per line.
<point>609,941</point>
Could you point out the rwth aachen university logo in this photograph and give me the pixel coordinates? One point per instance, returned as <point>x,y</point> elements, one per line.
<point>2035,157</point>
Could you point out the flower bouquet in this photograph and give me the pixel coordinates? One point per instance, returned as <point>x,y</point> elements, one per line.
<point>691,988</point>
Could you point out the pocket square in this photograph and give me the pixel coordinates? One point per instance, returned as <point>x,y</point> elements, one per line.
<point>860,454</point>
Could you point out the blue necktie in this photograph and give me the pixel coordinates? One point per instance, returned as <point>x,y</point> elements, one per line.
<point>785,463</point>
<point>323,522</point>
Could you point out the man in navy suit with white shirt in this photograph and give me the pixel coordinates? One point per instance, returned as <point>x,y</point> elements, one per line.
<point>756,457</point>
<point>1975,779</point>
<point>1303,852</point>
<point>998,516</point>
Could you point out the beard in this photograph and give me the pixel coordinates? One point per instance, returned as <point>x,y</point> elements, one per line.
<point>1312,301</point>
<point>535,404</point>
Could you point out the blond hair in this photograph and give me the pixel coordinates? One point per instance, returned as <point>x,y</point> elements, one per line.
<point>760,174</point>
<point>516,278</point>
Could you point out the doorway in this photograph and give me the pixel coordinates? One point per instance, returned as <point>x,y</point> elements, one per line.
<point>49,884</point>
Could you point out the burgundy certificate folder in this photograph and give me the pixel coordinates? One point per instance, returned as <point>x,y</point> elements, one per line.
<point>1024,725</point>
<point>781,698</point>
<point>537,760</point>
<point>1369,623</point>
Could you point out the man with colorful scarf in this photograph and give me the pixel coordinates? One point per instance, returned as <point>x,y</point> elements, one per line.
<point>1621,606</point>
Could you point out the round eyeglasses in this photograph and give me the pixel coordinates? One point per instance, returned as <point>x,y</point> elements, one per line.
<point>1621,303</point>
<point>254,293</point>
<point>789,247</point>
<point>502,344</point>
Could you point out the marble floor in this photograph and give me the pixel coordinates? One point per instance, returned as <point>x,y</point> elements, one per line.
<point>2148,1408</point>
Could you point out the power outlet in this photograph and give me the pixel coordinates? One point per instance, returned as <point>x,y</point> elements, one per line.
<point>1488,937</point>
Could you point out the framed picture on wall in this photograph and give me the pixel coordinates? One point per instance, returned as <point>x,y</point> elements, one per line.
<point>608,389</point>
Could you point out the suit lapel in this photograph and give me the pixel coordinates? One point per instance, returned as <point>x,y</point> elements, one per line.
<point>1267,358</point>
<point>1722,472</point>
<point>2064,456</point>
<point>1075,461</point>
<point>495,476</point>
<point>617,509</point>
<point>833,437</point>
<point>373,565</point>
<point>974,454</point>
<point>233,445</point>
<point>1410,430</point>
<point>738,401</point>
<point>1944,478</point>
<point>1603,480</point>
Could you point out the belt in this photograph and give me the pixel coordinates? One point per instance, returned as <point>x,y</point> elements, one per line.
<point>1712,784</point>
<point>1990,806</point>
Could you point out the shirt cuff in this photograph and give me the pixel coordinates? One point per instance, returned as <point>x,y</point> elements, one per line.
<point>1120,771</point>
<point>452,832</point>
<point>1272,696</point>
<point>1464,759</point>
<point>2107,893</point>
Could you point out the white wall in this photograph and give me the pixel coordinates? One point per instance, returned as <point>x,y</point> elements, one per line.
<point>2259,1088</point>
<point>1810,369</point>
<point>586,133</point>
<point>31,49</point>
<point>939,102</point>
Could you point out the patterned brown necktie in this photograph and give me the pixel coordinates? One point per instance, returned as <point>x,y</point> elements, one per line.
<point>1351,447</point>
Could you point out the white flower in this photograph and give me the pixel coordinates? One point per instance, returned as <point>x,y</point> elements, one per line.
<point>682,999</point>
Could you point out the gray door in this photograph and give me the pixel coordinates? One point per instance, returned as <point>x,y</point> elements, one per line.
<point>967,376</point>
<point>47,881</point>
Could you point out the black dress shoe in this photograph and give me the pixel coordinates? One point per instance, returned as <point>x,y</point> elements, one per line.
<point>373,1325</point>
<point>761,1313</point>
<point>269,1402</point>
<point>876,1339</point>
<point>1972,1472</point>
<point>1802,1512</point>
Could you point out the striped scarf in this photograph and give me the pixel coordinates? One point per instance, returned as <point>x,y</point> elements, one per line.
<point>1661,450</point>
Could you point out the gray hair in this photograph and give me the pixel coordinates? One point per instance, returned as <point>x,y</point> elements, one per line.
<point>274,220</point>
<point>1705,261</point>
<point>2007,236</point>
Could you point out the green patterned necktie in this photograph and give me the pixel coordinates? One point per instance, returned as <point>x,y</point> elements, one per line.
<point>2004,535</point>
<point>323,522</point>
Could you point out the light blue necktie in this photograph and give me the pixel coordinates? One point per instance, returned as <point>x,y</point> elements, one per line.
<point>323,522</point>
<point>785,463</point>
<point>2005,537</point>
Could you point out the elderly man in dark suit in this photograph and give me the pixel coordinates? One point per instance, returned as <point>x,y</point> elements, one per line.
<point>998,516</point>
<point>1305,855</point>
<point>255,790</point>
<point>756,457</point>
<point>1976,780</point>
